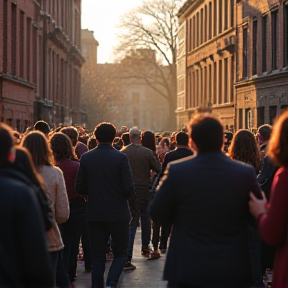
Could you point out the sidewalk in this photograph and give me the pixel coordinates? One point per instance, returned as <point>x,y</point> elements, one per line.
<point>148,274</point>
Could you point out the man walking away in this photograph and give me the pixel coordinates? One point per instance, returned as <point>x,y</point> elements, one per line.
<point>142,161</point>
<point>206,200</point>
<point>105,177</point>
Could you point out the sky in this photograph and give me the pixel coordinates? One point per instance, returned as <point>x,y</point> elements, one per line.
<point>101,16</point>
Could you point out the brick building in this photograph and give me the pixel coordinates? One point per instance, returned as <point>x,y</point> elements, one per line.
<point>40,62</point>
<point>262,61</point>
<point>206,59</point>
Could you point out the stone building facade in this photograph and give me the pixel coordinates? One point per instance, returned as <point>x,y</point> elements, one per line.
<point>208,58</point>
<point>40,62</point>
<point>262,61</point>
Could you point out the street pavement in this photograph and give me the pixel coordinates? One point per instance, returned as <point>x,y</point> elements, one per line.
<point>148,273</point>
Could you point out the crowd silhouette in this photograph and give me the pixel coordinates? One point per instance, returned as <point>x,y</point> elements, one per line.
<point>215,202</point>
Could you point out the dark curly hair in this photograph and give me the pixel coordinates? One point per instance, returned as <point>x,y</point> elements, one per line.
<point>244,148</point>
<point>61,146</point>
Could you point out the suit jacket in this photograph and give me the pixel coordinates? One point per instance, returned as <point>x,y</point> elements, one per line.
<point>142,161</point>
<point>105,176</point>
<point>173,155</point>
<point>206,199</point>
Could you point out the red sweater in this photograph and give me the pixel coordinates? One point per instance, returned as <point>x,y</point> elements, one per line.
<point>273,226</point>
<point>69,169</point>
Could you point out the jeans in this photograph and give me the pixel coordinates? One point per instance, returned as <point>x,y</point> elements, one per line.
<point>143,202</point>
<point>99,235</point>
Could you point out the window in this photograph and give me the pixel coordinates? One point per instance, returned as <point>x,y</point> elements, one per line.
<point>21,52</point>
<point>215,83</point>
<point>220,16</point>
<point>5,13</point>
<point>226,79</point>
<point>28,47</point>
<point>215,18</point>
<point>231,13</point>
<point>13,40</point>
<point>226,14</point>
<point>274,31</point>
<point>285,38</point>
<point>254,66</point>
<point>272,114</point>
<point>35,32</point>
<point>220,83</point>
<point>245,52</point>
<point>264,43</point>
<point>240,119</point>
<point>260,116</point>
<point>210,20</point>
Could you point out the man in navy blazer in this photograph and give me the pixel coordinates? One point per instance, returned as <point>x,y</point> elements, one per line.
<point>206,199</point>
<point>105,176</point>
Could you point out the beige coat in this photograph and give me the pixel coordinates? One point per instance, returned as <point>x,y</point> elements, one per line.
<point>55,186</point>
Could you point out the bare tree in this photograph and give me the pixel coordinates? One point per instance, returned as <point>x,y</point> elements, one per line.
<point>154,25</point>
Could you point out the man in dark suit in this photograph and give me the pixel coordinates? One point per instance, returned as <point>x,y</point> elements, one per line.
<point>105,176</point>
<point>206,200</point>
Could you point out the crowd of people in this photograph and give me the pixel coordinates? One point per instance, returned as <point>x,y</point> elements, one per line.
<point>221,198</point>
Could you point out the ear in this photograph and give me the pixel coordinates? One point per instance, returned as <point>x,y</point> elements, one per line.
<point>193,145</point>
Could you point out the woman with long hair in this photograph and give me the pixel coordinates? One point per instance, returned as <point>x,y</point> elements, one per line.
<point>71,230</point>
<point>24,260</point>
<point>37,144</point>
<point>244,148</point>
<point>148,140</point>
<point>273,218</point>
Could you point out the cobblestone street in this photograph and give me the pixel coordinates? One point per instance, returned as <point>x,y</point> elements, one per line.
<point>147,273</point>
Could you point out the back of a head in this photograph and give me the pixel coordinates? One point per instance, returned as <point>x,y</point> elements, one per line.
<point>105,132</point>
<point>72,133</point>
<point>6,143</point>
<point>265,132</point>
<point>42,126</point>
<point>61,147</point>
<point>278,145</point>
<point>126,138</point>
<point>37,144</point>
<point>206,132</point>
<point>182,138</point>
<point>149,140</point>
<point>244,148</point>
<point>134,134</point>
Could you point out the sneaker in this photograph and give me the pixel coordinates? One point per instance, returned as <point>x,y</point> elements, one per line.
<point>163,250</point>
<point>129,266</point>
<point>154,255</point>
<point>146,252</point>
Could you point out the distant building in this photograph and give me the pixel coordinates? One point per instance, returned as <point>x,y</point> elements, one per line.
<point>206,60</point>
<point>262,61</point>
<point>40,62</point>
<point>118,93</point>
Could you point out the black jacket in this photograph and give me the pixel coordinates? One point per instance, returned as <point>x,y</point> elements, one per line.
<point>22,232</point>
<point>105,176</point>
